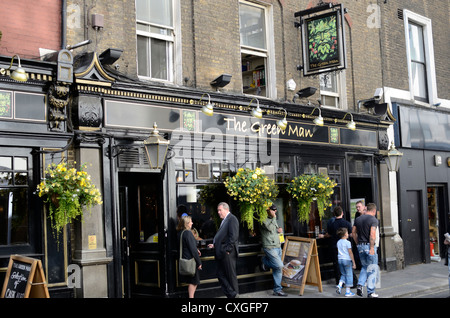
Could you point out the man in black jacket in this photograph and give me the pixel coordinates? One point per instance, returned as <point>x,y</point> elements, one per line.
<point>225,246</point>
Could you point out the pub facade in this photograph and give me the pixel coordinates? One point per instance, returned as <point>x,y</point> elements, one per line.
<point>97,105</point>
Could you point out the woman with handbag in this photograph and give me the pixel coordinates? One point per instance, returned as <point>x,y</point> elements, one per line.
<point>188,250</point>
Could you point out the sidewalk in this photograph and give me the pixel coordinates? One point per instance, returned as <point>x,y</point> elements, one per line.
<point>405,283</point>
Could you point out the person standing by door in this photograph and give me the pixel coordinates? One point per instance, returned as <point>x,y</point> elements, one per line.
<point>225,246</point>
<point>272,249</point>
<point>364,233</point>
<point>189,251</point>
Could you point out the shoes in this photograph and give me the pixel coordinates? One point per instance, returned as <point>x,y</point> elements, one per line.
<point>338,289</point>
<point>263,266</point>
<point>280,293</point>
<point>349,294</point>
<point>372,295</point>
<point>359,290</point>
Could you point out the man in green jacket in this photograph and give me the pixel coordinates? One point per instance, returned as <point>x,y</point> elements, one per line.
<point>272,249</point>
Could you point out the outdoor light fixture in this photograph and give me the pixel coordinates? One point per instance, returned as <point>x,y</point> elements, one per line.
<point>393,158</point>
<point>350,125</point>
<point>221,81</point>
<point>305,92</point>
<point>156,149</point>
<point>282,123</point>
<point>208,108</point>
<point>256,112</point>
<point>18,74</point>
<point>318,120</point>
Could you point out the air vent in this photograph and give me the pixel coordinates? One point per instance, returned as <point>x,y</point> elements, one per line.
<point>400,14</point>
<point>133,157</point>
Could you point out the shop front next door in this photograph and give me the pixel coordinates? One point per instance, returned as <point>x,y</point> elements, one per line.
<point>141,223</point>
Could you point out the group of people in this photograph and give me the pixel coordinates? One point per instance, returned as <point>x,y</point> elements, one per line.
<point>225,244</point>
<point>365,234</point>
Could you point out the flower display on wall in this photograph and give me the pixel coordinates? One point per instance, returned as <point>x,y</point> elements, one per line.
<point>67,191</point>
<point>306,188</point>
<point>254,192</point>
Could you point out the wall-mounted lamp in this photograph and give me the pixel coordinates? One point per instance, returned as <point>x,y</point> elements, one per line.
<point>318,120</point>
<point>18,74</point>
<point>305,93</point>
<point>156,148</point>
<point>393,158</point>
<point>351,124</point>
<point>208,109</point>
<point>282,123</point>
<point>256,112</point>
<point>221,81</point>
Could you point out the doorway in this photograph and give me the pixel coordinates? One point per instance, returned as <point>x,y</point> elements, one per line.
<point>412,233</point>
<point>141,234</point>
<point>436,220</point>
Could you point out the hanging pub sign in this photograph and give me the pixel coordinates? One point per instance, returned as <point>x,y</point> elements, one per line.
<point>323,39</point>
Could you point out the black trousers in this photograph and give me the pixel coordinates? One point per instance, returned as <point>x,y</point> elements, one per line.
<point>226,273</point>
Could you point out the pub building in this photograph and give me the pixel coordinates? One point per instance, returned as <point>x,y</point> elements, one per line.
<point>72,108</point>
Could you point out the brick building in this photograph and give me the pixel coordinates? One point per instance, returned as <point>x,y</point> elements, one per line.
<point>131,64</point>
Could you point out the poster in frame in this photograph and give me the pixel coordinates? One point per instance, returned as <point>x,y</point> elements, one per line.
<point>323,41</point>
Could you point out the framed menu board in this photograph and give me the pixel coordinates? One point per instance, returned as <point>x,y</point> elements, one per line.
<point>24,279</point>
<point>301,263</point>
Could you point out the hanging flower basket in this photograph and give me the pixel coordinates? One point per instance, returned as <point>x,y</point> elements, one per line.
<point>67,191</point>
<point>306,188</point>
<point>254,193</point>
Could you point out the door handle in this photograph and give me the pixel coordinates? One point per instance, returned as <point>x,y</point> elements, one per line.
<point>124,237</point>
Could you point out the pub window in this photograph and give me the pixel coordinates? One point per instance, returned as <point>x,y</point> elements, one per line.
<point>155,28</point>
<point>14,180</point>
<point>255,49</point>
<point>23,106</point>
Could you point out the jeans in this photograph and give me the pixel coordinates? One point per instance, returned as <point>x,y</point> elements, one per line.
<point>272,259</point>
<point>368,273</point>
<point>345,266</point>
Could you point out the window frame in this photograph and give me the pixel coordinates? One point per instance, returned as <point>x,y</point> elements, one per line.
<point>340,93</point>
<point>173,46</point>
<point>268,53</point>
<point>430,76</point>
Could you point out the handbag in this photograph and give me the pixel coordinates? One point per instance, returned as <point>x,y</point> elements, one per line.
<point>186,267</point>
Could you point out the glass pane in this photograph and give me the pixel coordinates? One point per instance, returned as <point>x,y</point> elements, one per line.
<point>20,163</point>
<point>21,178</point>
<point>159,59</point>
<point>13,216</point>
<point>416,45</point>
<point>252,26</point>
<point>5,163</point>
<point>142,50</point>
<point>155,11</point>
<point>419,80</point>
<point>328,83</point>
<point>5,178</point>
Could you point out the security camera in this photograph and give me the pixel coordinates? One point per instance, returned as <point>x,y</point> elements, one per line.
<point>378,94</point>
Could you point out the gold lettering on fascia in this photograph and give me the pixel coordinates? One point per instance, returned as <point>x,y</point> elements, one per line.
<point>243,126</point>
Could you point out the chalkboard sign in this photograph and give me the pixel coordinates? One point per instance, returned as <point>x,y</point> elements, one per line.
<point>24,279</point>
<point>300,263</point>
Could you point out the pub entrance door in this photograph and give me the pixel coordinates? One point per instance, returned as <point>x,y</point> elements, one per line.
<point>142,234</point>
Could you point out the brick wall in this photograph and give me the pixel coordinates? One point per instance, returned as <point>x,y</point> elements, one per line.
<point>27,26</point>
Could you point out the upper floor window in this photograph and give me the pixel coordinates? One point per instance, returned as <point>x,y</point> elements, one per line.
<point>256,50</point>
<point>420,57</point>
<point>417,62</point>
<point>155,39</point>
<point>332,89</point>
